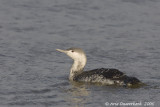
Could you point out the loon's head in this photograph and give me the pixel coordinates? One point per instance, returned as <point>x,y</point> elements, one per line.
<point>74,53</point>
<point>78,56</point>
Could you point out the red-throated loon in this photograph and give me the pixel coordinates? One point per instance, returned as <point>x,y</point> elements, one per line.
<point>106,76</point>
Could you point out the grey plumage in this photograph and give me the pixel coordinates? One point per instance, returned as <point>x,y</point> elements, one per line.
<point>115,76</point>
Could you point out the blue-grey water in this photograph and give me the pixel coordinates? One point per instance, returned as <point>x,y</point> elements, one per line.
<point>122,34</point>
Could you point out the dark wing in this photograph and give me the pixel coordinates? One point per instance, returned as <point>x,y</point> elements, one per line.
<point>109,74</point>
<point>105,72</point>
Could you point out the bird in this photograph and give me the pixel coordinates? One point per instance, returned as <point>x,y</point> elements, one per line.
<point>104,76</point>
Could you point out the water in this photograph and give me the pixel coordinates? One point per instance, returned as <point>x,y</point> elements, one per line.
<point>122,34</point>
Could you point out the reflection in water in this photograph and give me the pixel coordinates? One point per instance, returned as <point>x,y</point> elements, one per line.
<point>77,94</point>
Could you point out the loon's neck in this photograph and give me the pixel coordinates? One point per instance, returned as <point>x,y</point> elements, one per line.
<point>76,68</point>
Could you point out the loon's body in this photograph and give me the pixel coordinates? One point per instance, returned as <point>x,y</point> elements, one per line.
<point>107,76</point>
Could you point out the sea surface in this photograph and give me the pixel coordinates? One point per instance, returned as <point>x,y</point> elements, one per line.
<point>122,34</point>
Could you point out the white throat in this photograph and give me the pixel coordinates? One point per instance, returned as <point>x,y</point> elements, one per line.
<point>77,67</point>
